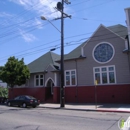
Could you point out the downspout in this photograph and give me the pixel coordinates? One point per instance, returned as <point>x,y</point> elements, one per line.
<point>128,53</point>
<point>44,94</point>
<point>77,82</point>
<point>127,50</point>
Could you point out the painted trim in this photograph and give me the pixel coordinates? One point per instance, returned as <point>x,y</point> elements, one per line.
<point>114,33</point>
<point>82,48</point>
<point>55,76</point>
<point>127,17</point>
<point>100,44</point>
<point>48,80</point>
<point>70,78</point>
<point>39,80</point>
<point>107,74</point>
<point>127,22</point>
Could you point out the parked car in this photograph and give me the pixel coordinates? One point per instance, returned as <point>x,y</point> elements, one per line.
<point>3,99</point>
<point>23,101</point>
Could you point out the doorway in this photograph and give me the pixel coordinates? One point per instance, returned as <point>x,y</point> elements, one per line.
<point>49,89</point>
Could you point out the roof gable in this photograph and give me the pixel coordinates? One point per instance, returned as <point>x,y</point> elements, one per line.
<point>40,64</point>
<point>119,30</point>
<point>76,53</point>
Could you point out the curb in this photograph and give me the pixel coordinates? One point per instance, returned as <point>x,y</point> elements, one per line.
<point>94,110</point>
<point>115,111</point>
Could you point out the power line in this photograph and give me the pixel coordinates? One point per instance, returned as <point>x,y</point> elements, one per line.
<point>15,32</point>
<point>67,44</point>
<point>92,6</point>
<point>73,37</point>
<point>22,12</point>
<point>26,21</point>
<point>79,3</point>
<point>19,23</point>
<point>95,19</point>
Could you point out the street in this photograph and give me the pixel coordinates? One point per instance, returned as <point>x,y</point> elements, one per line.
<point>14,118</point>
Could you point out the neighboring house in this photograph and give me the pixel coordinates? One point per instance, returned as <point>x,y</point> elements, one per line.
<point>100,66</point>
<point>2,84</point>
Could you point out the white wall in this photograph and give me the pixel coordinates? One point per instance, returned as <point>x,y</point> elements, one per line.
<point>2,84</point>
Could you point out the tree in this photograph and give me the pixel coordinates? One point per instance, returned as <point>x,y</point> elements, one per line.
<point>3,92</point>
<point>15,72</point>
<point>1,67</point>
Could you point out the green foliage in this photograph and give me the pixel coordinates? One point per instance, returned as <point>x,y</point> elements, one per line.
<point>1,67</point>
<point>3,92</point>
<point>15,72</point>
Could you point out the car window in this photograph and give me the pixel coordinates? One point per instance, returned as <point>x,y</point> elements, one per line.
<point>17,98</point>
<point>22,98</point>
<point>30,97</point>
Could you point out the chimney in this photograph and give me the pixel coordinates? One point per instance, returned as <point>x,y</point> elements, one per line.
<point>127,11</point>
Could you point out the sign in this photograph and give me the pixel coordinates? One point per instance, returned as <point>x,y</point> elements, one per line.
<point>96,82</point>
<point>124,125</point>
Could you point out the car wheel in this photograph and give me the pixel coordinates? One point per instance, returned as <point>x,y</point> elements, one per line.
<point>9,104</point>
<point>24,105</point>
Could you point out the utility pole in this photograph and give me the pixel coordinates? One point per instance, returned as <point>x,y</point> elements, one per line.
<point>62,96</point>
<point>60,7</point>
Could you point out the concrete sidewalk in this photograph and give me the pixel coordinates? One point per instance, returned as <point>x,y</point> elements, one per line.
<point>123,108</point>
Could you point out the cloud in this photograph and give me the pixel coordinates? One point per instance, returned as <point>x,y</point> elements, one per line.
<point>41,7</point>
<point>38,23</point>
<point>29,19</point>
<point>28,37</point>
<point>4,14</point>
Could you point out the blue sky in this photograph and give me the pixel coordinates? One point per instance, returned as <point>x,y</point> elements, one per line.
<point>24,35</point>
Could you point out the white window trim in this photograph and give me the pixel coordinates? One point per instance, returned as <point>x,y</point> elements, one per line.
<point>70,77</point>
<point>98,45</point>
<point>48,80</point>
<point>39,80</point>
<point>107,74</point>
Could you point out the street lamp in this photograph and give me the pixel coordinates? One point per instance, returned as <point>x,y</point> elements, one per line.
<point>43,18</point>
<point>62,96</point>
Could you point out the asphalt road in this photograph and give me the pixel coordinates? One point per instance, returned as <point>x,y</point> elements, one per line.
<point>14,118</point>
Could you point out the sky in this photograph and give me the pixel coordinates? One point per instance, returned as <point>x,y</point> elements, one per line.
<point>24,34</point>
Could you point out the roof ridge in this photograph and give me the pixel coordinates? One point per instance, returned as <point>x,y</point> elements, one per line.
<point>52,57</point>
<point>116,25</point>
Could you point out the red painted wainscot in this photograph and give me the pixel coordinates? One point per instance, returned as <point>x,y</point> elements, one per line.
<point>79,94</point>
<point>105,94</point>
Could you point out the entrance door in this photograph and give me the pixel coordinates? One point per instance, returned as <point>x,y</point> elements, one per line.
<point>50,85</point>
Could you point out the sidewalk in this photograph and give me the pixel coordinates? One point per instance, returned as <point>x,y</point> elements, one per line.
<point>123,108</point>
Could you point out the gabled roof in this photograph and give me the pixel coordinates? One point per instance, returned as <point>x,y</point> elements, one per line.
<point>76,53</point>
<point>40,64</point>
<point>118,29</point>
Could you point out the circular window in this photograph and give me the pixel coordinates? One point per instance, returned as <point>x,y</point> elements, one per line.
<point>103,52</point>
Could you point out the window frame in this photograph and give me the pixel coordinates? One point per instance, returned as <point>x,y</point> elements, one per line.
<point>107,72</point>
<point>39,78</point>
<point>70,76</point>
<point>101,44</point>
